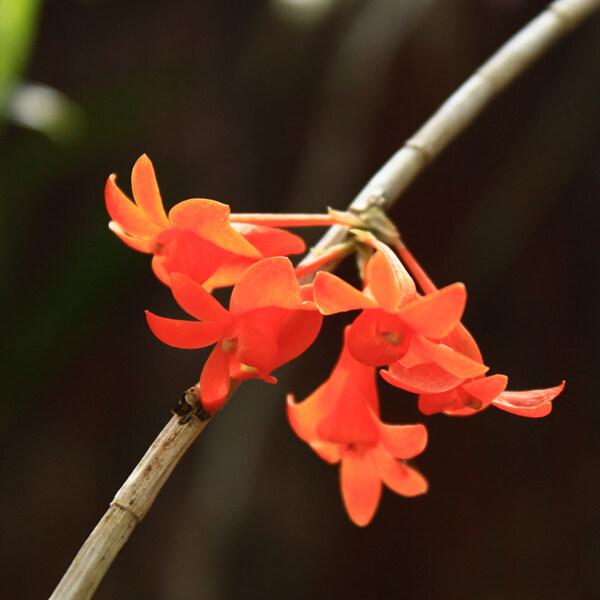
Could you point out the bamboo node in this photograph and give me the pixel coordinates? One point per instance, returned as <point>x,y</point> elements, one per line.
<point>128,509</point>
<point>420,149</point>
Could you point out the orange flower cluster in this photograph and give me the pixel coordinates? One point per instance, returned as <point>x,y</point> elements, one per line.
<point>271,319</point>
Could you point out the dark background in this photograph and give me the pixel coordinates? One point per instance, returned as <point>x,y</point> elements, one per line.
<point>267,109</point>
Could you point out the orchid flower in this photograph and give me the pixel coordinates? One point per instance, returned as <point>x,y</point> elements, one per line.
<point>340,421</point>
<point>270,321</point>
<point>396,322</point>
<point>196,238</point>
<point>439,393</point>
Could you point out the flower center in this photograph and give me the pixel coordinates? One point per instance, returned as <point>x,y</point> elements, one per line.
<point>157,248</point>
<point>393,338</point>
<point>229,345</point>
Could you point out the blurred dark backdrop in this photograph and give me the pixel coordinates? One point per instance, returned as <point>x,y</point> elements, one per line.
<point>292,105</point>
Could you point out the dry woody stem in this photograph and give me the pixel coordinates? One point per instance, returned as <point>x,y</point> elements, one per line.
<point>127,509</point>
<point>464,105</point>
<point>134,499</point>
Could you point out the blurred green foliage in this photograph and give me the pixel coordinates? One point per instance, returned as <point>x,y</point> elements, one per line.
<point>18,24</point>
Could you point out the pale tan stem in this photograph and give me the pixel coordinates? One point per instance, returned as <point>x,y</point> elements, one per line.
<point>127,509</point>
<point>462,107</point>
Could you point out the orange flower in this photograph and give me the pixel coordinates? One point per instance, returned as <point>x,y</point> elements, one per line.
<point>440,393</point>
<point>340,421</point>
<point>396,322</point>
<point>196,238</point>
<point>269,322</point>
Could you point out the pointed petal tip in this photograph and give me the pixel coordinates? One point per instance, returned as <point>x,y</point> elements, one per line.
<point>530,403</point>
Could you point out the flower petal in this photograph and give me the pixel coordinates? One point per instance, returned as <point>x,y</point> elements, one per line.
<point>269,282</point>
<point>350,422</point>
<point>455,363</point>
<point>426,378</point>
<point>430,404</point>
<point>486,389</point>
<point>257,339</point>
<point>126,214</point>
<point>462,341</point>
<point>328,452</point>
<point>139,244</point>
<point>159,270</point>
<point>298,331</point>
<point>305,416</point>
<point>361,486</point>
<point>334,295</point>
<point>398,476</point>
<point>214,380</point>
<point>184,334</point>
<point>192,255</point>
<point>146,193</point>
<point>196,301</point>
<point>531,403</point>
<point>436,315</point>
<point>210,220</point>
<point>403,441</point>
<point>388,280</point>
<point>228,272</point>
<point>270,241</point>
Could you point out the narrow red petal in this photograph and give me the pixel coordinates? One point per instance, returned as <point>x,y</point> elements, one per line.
<point>184,334</point>
<point>146,193</point>
<point>403,441</point>
<point>398,476</point>
<point>126,214</point>
<point>426,378</point>
<point>196,301</point>
<point>214,381</point>
<point>334,295</point>
<point>531,403</point>
<point>361,487</point>
<point>436,314</point>
<point>269,282</point>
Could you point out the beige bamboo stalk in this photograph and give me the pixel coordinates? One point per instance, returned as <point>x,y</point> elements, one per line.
<point>134,499</point>
<point>129,506</point>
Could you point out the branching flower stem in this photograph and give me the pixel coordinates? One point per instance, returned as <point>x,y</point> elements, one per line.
<point>134,499</point>
<point>464,105</point>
